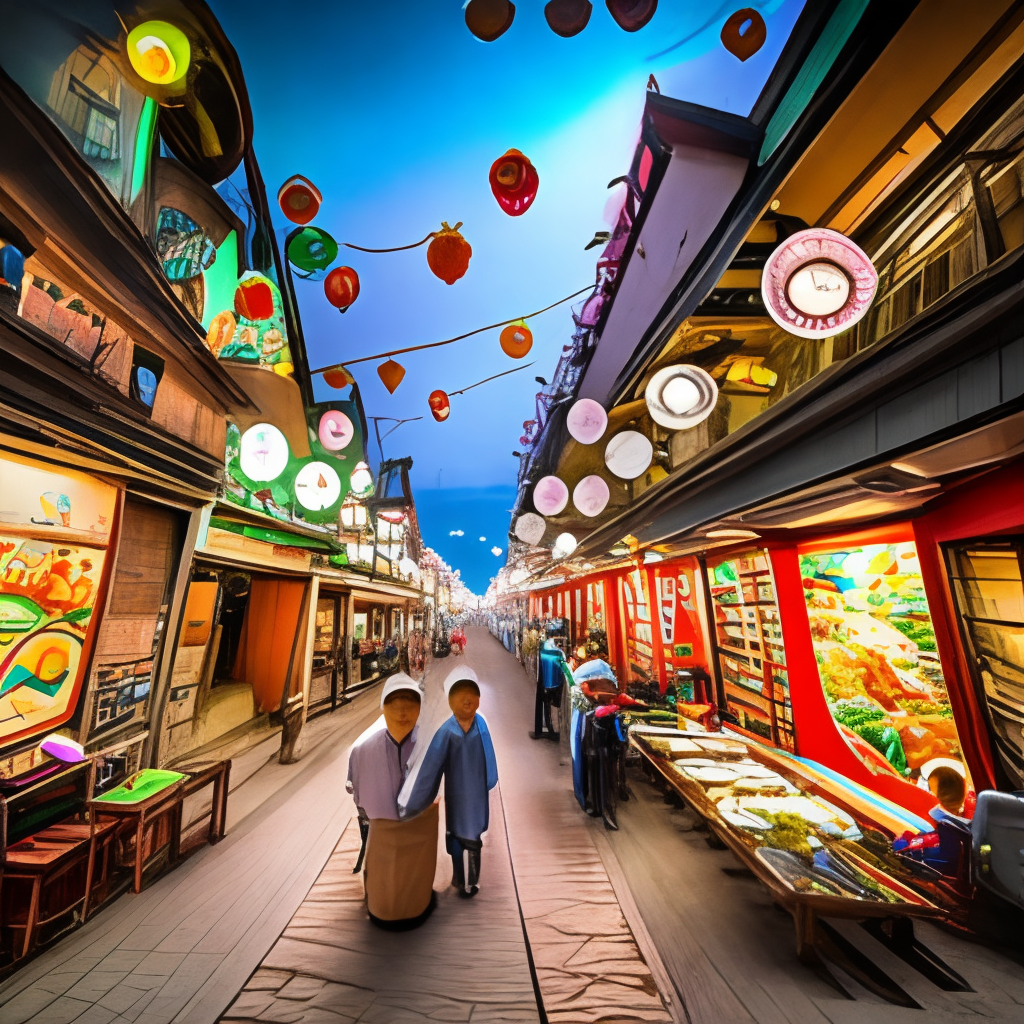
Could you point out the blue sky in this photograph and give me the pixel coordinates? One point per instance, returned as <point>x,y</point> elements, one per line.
<point>396,113</point>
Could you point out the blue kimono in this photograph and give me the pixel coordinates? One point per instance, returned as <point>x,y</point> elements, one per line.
<point>470,770</point>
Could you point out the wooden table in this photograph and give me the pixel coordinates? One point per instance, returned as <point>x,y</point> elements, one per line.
<point>217,774</point>
<point>163,807</point>
<point>46,862</point>
<point>815,937</point>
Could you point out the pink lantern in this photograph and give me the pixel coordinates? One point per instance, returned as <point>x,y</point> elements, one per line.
<point>590,495</point>
<point>550,496</point>
<point>587,421</point>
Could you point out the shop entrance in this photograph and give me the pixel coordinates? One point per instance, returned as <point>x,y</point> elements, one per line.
<point>327,680</point>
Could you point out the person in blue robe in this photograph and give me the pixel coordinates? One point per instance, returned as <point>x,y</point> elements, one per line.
<point>462,753</point>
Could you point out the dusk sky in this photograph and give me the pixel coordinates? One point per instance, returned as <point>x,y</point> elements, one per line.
<point>396,112</point>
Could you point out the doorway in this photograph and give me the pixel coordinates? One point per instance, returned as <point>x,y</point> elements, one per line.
<point>327,679</point>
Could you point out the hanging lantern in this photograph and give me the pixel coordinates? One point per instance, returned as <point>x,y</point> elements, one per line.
<point>300,199</point>
<point>489,19</point>
<point>341,286</point>
<point>568,17</point>
<point>254,299</point>
<point>744,43</point>
<point>448,253</point>
<point>158,52</point>
<point>680,396</point>
<point>564,546</point>
<point>530,528</point>
<point>628,454</point>
<point>631,15</point>
<point>514,182</point>
<point>590,495</point>
<point>391,374</point>
<point>335,430</point>
<point>516,339</point>
<point>550,495</point>
<point>440,406</point>
<point>818,283</point>
<point>361,480</point>
<point>311,251</point>
<point>586,421</point>
<point>338,378</point>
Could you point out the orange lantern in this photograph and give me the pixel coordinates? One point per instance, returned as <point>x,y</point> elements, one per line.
<point>489,19</point>
<point>300,199</point>
<point>516,339</point>
<point>338,378</point>
<point>744,45</point>
<point>254,299</point>
<point>439,404</point>
<point>391,374</point>
<point>448,253</point>
<point>514,182</point>
<point>341,286</point>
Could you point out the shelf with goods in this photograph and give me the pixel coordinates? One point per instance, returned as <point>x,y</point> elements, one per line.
<point>751,654</point>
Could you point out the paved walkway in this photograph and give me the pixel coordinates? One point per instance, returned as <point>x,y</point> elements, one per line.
<point>270,925</point>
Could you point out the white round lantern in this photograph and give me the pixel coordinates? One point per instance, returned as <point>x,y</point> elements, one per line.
<point>628,454</point>
<point>550,495</point>
<point>590,495</point>
<point>263,452</point>
<point>679,397</point>
<point>317,486</point>
<point>587,421</point>
<point>565,545</point>
<point>530,528</point>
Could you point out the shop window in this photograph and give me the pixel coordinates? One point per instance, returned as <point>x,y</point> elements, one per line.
<point>875,648</point>
<point>751,652</point>
<point>989,595</point>
<point>637,631</point>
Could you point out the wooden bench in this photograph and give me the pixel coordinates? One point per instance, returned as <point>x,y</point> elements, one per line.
<point>210,773</point>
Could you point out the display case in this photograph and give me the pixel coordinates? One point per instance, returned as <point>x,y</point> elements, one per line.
<point>751,652</point>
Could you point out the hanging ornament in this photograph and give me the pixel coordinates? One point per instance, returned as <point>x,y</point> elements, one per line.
<point>489,19</point>
<point>631,15</point>
<point>590,495</point>
<point>299,199</point>
<point>254,299</point>
<point>587,421</point>
<point>516,339</point>
<point>361,480</point>
<point>391,374</point>
<point>338,377</point>
<point>341,286</point>
<point>440,406</point>
<point>550,495</point>
<point>568,17</point>
<point>448,253</point>
<point>628,454</point>
<point>818,283</point>
<point>311,251</point>
<point>564,546</point>
<point>514,182</point>
<point>158,52</point>
<point>530,528</point>
<point>335,430</point>
<point>740,42</point>
<point>679,397</point>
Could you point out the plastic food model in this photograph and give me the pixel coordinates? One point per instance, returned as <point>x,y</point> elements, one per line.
<point>440,406</point>
<point>448,253</point>
<point>299,199</point>
<point>514,182</point>
<point>516,339</point>
<point>341,286</point>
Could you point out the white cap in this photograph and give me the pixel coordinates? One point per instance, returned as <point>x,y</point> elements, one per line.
<point>460,675</point>
<point>400,681</point>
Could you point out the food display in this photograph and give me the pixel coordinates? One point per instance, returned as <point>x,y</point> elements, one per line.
<point>801,838</point>
<point>748,634</point>
<point>875,648</point>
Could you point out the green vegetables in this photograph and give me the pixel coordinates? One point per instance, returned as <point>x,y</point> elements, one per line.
<point>853,714</point>
<point>789,831</point>
<point>867,721</point>
<point>920,632</point>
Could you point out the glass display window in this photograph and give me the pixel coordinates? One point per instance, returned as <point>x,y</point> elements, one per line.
<point>986,580</point>
<point>873,640</point>
<point>637,627</point>
<point>751,652</point>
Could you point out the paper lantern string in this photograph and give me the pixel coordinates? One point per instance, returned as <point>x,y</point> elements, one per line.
<point>514,369</point>
<point>459,337</point>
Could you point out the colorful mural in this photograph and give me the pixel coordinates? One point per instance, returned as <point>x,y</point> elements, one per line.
<point>49,582</point>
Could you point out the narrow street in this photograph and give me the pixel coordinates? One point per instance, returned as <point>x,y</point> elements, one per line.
<point>647,924</point>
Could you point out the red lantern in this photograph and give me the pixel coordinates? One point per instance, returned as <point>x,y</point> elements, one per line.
<point>338,378</point>
<point>744,45</point>
<point>631,15</point>
<point>300,199</point>
<point>254,299</point>
<point>514,182</point>
<point>516,340</point>
<point>488,19</point>
<point>440,407</point>
<point>341,286</point>
<point>448,253</point>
